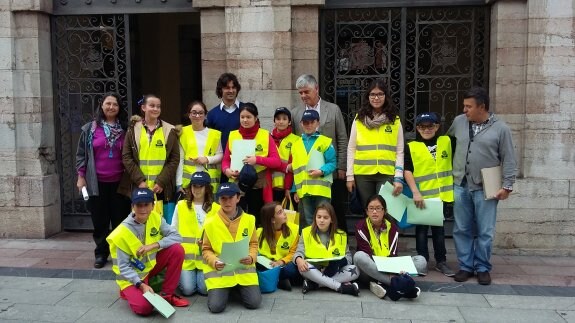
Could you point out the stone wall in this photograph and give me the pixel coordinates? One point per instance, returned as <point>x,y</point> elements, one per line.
<point>29,185</point>
<point>533,88</point>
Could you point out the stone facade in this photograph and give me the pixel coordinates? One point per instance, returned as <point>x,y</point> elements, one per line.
<point>268,43</point>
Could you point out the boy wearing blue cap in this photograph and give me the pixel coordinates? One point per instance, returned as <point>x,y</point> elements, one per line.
<point>428,172</point>
<point>142,246</point>
<point>230,224</point>
<point>313,186</point>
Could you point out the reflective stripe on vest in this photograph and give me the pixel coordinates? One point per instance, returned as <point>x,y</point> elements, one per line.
<point>379,246</point>
<point>124,239</point>
<point>304,184</point>
<point>376,149</point>
<point>433,175</point>
<point>217,233</point>
<point>315,249</point>
<point>191,232</point>
<point>190,148</point>
<point>262,144</point>
<point>282,246</point>
<point>152,155</point>
<point>284,151</point>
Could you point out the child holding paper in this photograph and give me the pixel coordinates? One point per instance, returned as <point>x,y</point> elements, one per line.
<point>377,235</point>
<point>189,218</point>
<point>322,240</point>
<point>230,224</point>
<point>278,240</point>
<point>265,157</point>
<point>428,172</point>
<point>313,186</point>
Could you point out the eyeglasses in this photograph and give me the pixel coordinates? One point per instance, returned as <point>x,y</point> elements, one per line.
<point>197,113</point>
<point>377,95</point>
<point>425,126</point>
<point>375,208</point>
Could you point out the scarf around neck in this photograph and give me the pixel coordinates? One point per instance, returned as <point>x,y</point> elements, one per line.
<point>376,121</point>
<point>278,135</point>
<point>250,133</point>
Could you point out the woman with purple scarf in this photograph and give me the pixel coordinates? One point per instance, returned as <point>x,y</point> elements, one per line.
<point>101,172</point>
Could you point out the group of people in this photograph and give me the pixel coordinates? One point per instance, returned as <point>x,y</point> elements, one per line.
<point>206,202</point>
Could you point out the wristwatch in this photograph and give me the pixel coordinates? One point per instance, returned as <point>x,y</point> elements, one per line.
<point>138,284</point>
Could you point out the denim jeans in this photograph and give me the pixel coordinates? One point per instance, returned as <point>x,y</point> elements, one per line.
<point>474,228</point>
<point>192,281</point>
<point>307,207</point>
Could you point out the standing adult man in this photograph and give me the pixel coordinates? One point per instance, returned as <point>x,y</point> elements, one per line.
<point>225,116</point>
<point>483,141</point>
<point>332,125</point>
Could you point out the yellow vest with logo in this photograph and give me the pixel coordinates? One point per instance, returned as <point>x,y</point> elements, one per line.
<point>190,148</point>
<point>218,233</point>
<point>283,244</point>
<point>262,144</point>
<point>379,246</point>
<point>191,233</point>
<point>376,149</point>
<point>152,155</point>
<point>124,239</point>
<point>315,249</point>
<point>433,175</point>
<point>284,151</point>
<point>305,184</point>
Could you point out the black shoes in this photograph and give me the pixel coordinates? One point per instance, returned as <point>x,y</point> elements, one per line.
<point>462,276</point>
<point>483,278</point>
<point>284,284</point>
<point>100,262</point>
<point>349,289</point>
<point>308,285</point>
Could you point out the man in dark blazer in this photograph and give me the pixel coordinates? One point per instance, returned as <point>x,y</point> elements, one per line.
<point>332,125</point>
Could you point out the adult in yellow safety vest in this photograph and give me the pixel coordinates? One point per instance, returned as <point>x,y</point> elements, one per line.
<point>151,152</point>
<point>189,218</point>
<point>142,246</point>
<point>264,158</point>
<point>323,257</point>
<point>375,148</point>
<point>428,172</point>
<point>377,235</point>
<point>230,225</point>
<point>284,139</point>
<point>200,148</point>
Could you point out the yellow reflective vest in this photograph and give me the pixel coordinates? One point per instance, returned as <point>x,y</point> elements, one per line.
<point>305,184</point>
<point>152,155</point>
<point>315,249</point>
<point>262,144</point>
<point>124,239</point>
<point>218,233</point>
<point>379,246</point>
<point>376,149</point>
<point>284,151</point>
<point>190,148</point>
<point>191,233</point>
<point>433,175</point>
<point>282,246</point>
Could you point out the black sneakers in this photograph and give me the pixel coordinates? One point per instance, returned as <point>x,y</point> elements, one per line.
<point>308,285</point>
<point>349,289</point>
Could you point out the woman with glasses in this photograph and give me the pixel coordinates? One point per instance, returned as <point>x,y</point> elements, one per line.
<point>200,148</point>
<point>375,149</point>
<point>377,235</point>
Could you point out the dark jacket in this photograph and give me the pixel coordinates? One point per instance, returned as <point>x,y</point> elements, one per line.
<point>131,157</point>
<point>362,237</point>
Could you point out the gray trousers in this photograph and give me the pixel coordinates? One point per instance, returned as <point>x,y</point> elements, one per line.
<point>345,274</point>
<point>367,266</point>
<point>218,297</point>
<point>369,185</point>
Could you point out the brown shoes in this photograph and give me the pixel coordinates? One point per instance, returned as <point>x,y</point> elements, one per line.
<point>462,276</point>
<point>483,278</point>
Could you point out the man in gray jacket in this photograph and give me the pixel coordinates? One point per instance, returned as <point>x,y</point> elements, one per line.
<point>482,141</point>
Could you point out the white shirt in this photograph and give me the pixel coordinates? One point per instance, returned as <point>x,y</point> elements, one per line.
<point>231,109</point>
<point>316,108</point>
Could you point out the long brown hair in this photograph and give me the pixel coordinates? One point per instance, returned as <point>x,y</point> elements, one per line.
<point>267,214</point>
<point>388,107</point>
<point>333,225</point>
<point>208,197</point>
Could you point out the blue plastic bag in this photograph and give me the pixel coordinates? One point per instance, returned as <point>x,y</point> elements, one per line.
<point>403,223</point>
<point>169,209</point>
<point>268,279</point>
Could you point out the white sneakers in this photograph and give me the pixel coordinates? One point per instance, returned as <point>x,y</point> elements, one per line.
<point>377,289</point>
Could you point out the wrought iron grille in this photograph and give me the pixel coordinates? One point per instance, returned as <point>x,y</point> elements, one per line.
<point>428,57</point>
<point>91,58</point>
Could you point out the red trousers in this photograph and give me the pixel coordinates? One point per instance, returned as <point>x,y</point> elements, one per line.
<point>170,258</point>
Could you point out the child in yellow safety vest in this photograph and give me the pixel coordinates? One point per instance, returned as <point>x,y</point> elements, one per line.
<point>323,257</point>
<point>189,218</point>
<point>282,179</point>
<point>278,240</point>
<point>428,172</point>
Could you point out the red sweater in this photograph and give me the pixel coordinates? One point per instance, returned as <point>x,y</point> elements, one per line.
<point>362,237</point>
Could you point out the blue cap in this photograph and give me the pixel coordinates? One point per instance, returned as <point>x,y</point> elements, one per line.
<point>227,189</point>
<point>200,178</point>
<point>426,117</point>
<point>142,195</point>
<point>309,115</point>
<point>282,110</point>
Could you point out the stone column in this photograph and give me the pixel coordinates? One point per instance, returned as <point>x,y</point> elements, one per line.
<point>29,185</point>
<point>267,44</point>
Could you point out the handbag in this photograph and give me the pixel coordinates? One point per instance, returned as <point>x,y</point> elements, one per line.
<point>292,215</point>
<point>268,279</point>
